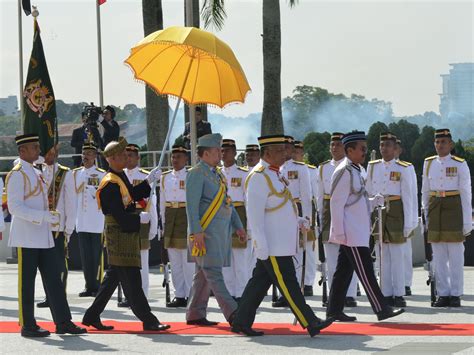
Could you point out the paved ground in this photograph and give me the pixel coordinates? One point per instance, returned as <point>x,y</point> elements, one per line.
<point>418,311</point>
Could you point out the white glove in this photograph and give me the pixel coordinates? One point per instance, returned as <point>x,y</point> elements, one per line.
<point>406,232</point>
<point>303,223</point>
<point>467,229</point>
<point>145,217</point>
<point>67,234</point>
<point>159,233</point>
<point>51,217</point>
<point>262,254</point>
<point>154,175</point>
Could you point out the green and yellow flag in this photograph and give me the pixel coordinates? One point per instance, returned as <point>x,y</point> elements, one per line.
<point>39,113</point>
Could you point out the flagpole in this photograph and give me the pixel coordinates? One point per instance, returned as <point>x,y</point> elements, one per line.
<point>20,62</point>
<point>99,55</point>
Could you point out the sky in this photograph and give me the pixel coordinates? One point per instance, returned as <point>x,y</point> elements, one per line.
<point>390,50</point>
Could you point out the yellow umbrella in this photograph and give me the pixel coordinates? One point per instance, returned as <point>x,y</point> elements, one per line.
<point>191,64</point>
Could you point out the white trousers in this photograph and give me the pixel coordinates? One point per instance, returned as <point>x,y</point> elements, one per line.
<point>392,276</point>
<point>332,252</point>
<point>182,272</point>
<point>311,264</point>
<point>408,261</point>
<point>238,274</point>
<point>144,272</point>
<point>448,260</point>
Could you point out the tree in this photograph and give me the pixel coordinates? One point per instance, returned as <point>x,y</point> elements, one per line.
<point>373,137</point>
<point>316,146</point>
<point>157,108</point>
<point>408,133</point>
<point>422,148</point>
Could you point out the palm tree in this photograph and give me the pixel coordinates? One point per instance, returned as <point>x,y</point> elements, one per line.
<point>272,120</point>
<point>157,107</point>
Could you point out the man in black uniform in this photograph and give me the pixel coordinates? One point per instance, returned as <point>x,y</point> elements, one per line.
<point>79,136</point>
<point>202,128</point>
<point>116,197</point>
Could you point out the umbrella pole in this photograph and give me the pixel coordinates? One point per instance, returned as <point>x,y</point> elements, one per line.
<point>162,155</point>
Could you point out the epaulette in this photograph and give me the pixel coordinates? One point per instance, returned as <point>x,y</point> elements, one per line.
<point>144,171</point>
<point>299,162</point>
<point>260,169</point>
<point>403,163</point>
<point>17,167</point>
<point>79,168</point>
<point>431,158</point>
<point>458,159</point>
<point>62,167</point>
<point>375,161</point>
<point>311,166</point>
<point>166,172</point>
<point>242,168</point>
<point>99,169</point>
<point>325,162</point>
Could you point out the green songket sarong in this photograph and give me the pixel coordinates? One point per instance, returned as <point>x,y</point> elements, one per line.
<point>445,220</point>
<point>123,249</point>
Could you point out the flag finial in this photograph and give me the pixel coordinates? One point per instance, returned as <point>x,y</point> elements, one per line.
<point>35,13</point>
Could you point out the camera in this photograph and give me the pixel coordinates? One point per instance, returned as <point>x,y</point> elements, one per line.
<point>92,113</point>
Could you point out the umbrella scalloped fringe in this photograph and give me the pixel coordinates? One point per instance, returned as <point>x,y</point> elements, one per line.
<point>211,104</point>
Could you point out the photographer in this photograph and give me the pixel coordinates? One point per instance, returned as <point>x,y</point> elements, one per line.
<point>111,127</point>
<point>202,128</point>
<point>79,135</point>
<point>86,133</point>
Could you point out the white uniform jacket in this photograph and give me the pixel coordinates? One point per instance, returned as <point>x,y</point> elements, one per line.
<point>173,189</point>
<point>28,203</point>
<point>275,232</point>
<point>447,174</point>
<point>325,171</point>
<point>67,200</point>
<point>393,178</point>
<point>136,176</point>
<point>350,209</point>
<point>235,178</point>
<point>300,187</point>
<point>86,181</point>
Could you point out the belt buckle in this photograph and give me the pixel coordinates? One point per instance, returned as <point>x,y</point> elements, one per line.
<point>441,194</point>
<point>175,204</point>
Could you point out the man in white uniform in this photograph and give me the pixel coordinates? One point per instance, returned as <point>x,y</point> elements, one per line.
<point>447,204</point>
<point>391,178</point>
<point>31,234</point>
<point>89,220</point>
<point>238,273</point>
<point>175,225</point>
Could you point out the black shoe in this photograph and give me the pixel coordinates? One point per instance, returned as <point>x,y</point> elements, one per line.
<point>315,328</point>
<point>350,302</point>
<point>87,293</point>
<point>70,328</point>
<point>97,325</point>
<point>342,317</point>
<point>280,303</point>
<point>246,330</point>
<point>442,301</point>
<point>123,304</point>
<point>34,332</point>
<point>399,301</point>
<point>156,327</point>
<point>177,302</point>
<point>202,322</point>
<point>455,301</point>
<point>390,301</point>
<point>43,304</point>
<point>407,291</point>
<point>308,291</point>
<point>389,312</point>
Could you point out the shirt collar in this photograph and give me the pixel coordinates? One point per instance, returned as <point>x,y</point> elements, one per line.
<point>447,157</point>
<point>388,162</point>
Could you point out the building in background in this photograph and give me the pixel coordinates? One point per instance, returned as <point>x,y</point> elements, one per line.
<point>9,106</point>
<point>457,98</point>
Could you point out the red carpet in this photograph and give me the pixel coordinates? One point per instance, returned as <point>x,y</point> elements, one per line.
<point>393,329</point>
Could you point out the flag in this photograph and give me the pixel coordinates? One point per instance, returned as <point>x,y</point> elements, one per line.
<point>39,114</point>
<point>26,6</point>
<point>100,2</point>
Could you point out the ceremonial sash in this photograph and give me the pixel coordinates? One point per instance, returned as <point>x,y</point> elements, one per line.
<point>112,178</point>
<point>215,205</point>
<point>57,184</point>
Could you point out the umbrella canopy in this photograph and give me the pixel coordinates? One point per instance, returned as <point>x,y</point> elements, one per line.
<point>189,63</point>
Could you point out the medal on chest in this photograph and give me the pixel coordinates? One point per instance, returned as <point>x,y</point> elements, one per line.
<point>236,182</point>
<point>293,175</point>
<point>182,185</point>
<point>451,171</point>
<point>395,176</point>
